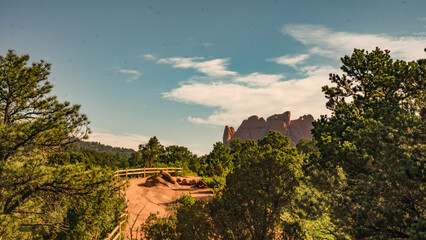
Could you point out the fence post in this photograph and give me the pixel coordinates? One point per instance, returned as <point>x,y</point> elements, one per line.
<point>144,172</point>
<point>119,228</point>
<point>126,174</point>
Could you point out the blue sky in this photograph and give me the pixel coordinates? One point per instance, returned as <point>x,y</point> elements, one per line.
<point>182,70</point>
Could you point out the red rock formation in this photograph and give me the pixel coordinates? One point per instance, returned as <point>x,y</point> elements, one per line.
<point>252,128</point>
<point>300,128</point>
<point>228,134</point>
<point>256,128</point>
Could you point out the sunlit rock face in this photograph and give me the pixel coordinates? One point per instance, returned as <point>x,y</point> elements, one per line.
<point>228,134</point>
<point>256,128</point>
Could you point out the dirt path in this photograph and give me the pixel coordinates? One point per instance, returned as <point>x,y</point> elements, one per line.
<point>145,200</point>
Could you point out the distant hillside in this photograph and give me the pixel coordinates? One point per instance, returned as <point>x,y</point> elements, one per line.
<point>81,145</point>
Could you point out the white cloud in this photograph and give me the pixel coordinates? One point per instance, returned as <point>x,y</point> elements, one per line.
<point>329,43</point>
<point>292,61</point>
<point>236,102</point>
<point>126,140</point>
<point>215,67</point>
<point>150,57</point>
<point>136,74</point>
<point>259,79</point>
<point>237,97</point>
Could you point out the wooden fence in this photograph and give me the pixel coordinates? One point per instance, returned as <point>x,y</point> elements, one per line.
<point>145,171</point>
<point>116,232</point>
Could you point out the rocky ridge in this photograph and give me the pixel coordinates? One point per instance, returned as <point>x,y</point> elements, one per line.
<point>256,128</point>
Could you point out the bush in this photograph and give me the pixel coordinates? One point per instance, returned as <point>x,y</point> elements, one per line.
<point>157,228</point>
<point>215,181</point>
<point>190,220</point>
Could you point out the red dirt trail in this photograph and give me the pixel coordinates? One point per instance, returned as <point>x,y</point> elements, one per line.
<point>144,200</point>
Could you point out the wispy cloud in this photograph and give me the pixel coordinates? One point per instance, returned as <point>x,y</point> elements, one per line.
<point>259,79</point>
<point>292,61</point>
<point>207,44</point>
<point>136,74</point>
<point>236,102</point>
<point>238,96</point>
<point>326,42</point>
<point>149,57</point>
<point>124,140</point>
<point>214,67</point>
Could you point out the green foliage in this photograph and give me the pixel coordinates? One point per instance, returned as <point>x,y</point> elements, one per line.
<point>49,201</point>
<point>243,151</point>
<point>219,161</point>
<point>157,228</point>
<point>89,157</point>
<point>193,219</point>
<point>57,196</point>
<point>259,190</point>
<point>265,197</point>
<point>151,151</point>
<point>153,154</point>
<point>190,220</point>
<point>179,156</point>
<point>307,147</point>
<point>371,163</point>
<point>82,145</point>
<point>135,160</point>
<point>29,117</point>
<point>215,181</point>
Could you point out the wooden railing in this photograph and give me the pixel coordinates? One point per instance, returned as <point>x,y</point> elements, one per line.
<point>146,171</point>
<point>116,232</point>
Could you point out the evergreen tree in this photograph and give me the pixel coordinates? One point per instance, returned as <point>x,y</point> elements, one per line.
<point>259,190</point>
<point>42,198</point>
<point>219,161</point>
<point>151,151</point>
<point>29,117</point>
<point>372,148</point>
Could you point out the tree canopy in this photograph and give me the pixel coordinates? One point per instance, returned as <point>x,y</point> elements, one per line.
<point>29,116</point>
<point>259,190</point>
<point>372,161</point>
<point>151,151</point>
<point>44,196</point>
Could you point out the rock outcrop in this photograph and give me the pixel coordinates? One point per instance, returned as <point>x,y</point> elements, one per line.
<point>256,128</point>
<point>228,133</point>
